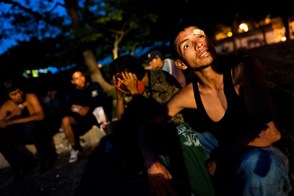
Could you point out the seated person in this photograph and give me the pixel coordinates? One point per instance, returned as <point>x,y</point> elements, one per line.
<point>155,60</point>
<point>22,122</point>
<point>140,93</point>
<point>232,112</point>
<point>85,97</point>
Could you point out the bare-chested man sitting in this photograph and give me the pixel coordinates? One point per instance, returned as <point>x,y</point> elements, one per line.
<point>22,122</point>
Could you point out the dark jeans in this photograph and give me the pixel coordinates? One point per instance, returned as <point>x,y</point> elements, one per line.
<point>13,139</point>
<point>83,125</point>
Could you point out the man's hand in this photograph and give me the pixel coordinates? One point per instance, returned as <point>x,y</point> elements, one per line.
<point>131,82</point>
<point>81,110</point>
<point>266,137</point>
<point>211,167</point>
<point>160,180</point>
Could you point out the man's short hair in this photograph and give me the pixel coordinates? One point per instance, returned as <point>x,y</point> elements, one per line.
<point>128,63</point>
<point>10,85</point>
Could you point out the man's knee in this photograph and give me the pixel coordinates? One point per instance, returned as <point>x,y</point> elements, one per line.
<point>255,161</point>
<point>66,120</point>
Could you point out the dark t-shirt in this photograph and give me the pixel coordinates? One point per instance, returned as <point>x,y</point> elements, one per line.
<point>92,96</point>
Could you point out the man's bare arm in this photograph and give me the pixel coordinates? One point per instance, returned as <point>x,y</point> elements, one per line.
<point>36,112</point>
<point>251,80</point>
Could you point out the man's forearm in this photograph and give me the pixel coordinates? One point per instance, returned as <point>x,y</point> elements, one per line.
<point>25,119</point>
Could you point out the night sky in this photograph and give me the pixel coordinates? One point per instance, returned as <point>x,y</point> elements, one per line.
<point>203,13</point>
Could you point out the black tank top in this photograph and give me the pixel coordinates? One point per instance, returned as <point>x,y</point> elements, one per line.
<point>231,127</point>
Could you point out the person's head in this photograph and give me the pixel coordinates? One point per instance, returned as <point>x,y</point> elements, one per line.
<point>154,59</point>
<point>127,63</point>
<point>195,50</point>
<point>78,78</point>
<point>13,91</point>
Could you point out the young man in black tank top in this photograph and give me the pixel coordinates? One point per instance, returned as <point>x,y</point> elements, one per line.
<point>234,119</point>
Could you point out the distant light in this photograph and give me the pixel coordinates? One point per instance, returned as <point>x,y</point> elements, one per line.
<point>230,34</point>
<point>243,27</point>
<point>43,71</point>
<point>99,65</point>
<point>53,70</point>
<point>35,73</point>
<point>267,19</point>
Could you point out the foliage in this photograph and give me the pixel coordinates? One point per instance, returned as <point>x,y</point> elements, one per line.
<point>108,27</point>
<point>95,24</point>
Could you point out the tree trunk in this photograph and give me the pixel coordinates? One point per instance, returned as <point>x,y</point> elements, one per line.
<point>95,72</point>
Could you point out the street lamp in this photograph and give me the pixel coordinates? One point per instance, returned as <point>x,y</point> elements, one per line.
<point>243,27</point>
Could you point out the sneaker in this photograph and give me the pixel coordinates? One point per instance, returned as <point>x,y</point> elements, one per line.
<point>73,156</point>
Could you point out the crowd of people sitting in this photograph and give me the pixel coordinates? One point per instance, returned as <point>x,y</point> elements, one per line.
<point>210,132</point>
<point>216,135</point>
<point>33,117</point>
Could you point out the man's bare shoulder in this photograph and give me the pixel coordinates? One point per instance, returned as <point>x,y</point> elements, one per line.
<point>7,104</point>
<point>7,107</point>
<point>31,96</point>
<point>31,100</point>
<point>185,97</point>
<point>186,92</point>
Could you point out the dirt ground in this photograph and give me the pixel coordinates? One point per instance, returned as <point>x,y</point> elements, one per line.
<point>61,180</point>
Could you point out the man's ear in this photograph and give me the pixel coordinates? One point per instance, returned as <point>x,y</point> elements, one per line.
<point>180,64</point>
